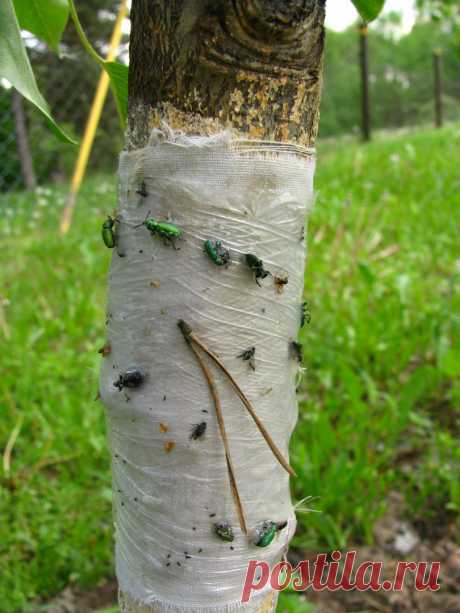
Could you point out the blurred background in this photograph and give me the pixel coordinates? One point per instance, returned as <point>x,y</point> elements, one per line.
<point>377,446</point>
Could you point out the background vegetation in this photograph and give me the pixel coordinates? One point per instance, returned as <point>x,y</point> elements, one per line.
<point>401,76</point>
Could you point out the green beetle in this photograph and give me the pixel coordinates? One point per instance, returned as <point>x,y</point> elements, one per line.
<point>266,531</point>
<point>217,253</point>
<point>109,235</point>
<point>305,315</point>
<point>224,531</point>
<point>164,229</point>
<point>108,232</point>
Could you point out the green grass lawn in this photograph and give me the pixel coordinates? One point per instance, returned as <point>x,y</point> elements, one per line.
<point>380,399</point>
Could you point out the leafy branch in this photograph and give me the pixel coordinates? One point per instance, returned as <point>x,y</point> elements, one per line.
<point>47,19</point>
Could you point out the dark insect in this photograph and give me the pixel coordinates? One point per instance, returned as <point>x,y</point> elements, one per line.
<point>105,350</point>
<point>132,377</point>
<point>198,431</point>
<point>297,351</point>
<point>257,267</point>
<point>305,315</point>
<point>248,356</point>
<point>280,282</point>
<point>265,532</point>
<point>217,253</point>
<point>224,531</point>
<point>142,191</point>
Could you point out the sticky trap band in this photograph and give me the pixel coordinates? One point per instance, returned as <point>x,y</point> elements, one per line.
<point>170,489</point>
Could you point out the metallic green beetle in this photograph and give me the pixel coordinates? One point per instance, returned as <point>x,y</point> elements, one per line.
<point>166,230</point>
<point>224,531</point>
<point>305,315</point>
<point>108,232</point>
<point>266,531</point>
<point>218,254</point>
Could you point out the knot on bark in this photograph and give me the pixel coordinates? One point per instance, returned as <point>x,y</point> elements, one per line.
<point>275,21</point>
<point>277,37</point>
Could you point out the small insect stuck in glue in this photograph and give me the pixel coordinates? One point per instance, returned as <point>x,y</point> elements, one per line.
<point>257,266</point>
<point>280,282</point>
<point>131,377</point>
<point>198,431</point>
<point>105,350</point>
<point>217,252</point>
<point>305,315</point>
<point>224,531</point>
<point>296,351</point>
<point>265,532</point>
<point>248,356</point>
<point>164,229</point>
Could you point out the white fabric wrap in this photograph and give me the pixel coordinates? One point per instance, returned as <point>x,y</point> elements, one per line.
<point>254,197</point>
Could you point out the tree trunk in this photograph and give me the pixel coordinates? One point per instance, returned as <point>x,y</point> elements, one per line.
<point>365,97</point>
<point>223,115</point>
<point>22,141</point>
<point>437,68</point>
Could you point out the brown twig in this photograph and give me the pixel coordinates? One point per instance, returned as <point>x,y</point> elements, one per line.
<point>189,334</point>
<point>220,421</point>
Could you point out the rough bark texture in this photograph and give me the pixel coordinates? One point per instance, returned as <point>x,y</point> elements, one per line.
<point>202,66</point>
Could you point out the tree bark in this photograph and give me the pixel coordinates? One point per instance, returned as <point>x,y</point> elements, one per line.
<point>365,96</point>
<point>202,67</point>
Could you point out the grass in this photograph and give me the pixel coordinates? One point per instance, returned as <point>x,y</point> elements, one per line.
<point>382,350</point>
<point>379,402</point>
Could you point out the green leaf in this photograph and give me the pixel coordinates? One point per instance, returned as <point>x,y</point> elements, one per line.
<point>369,9</point>
<point>46,19</point>
<point>16,68</point>
<point>118,74</point>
